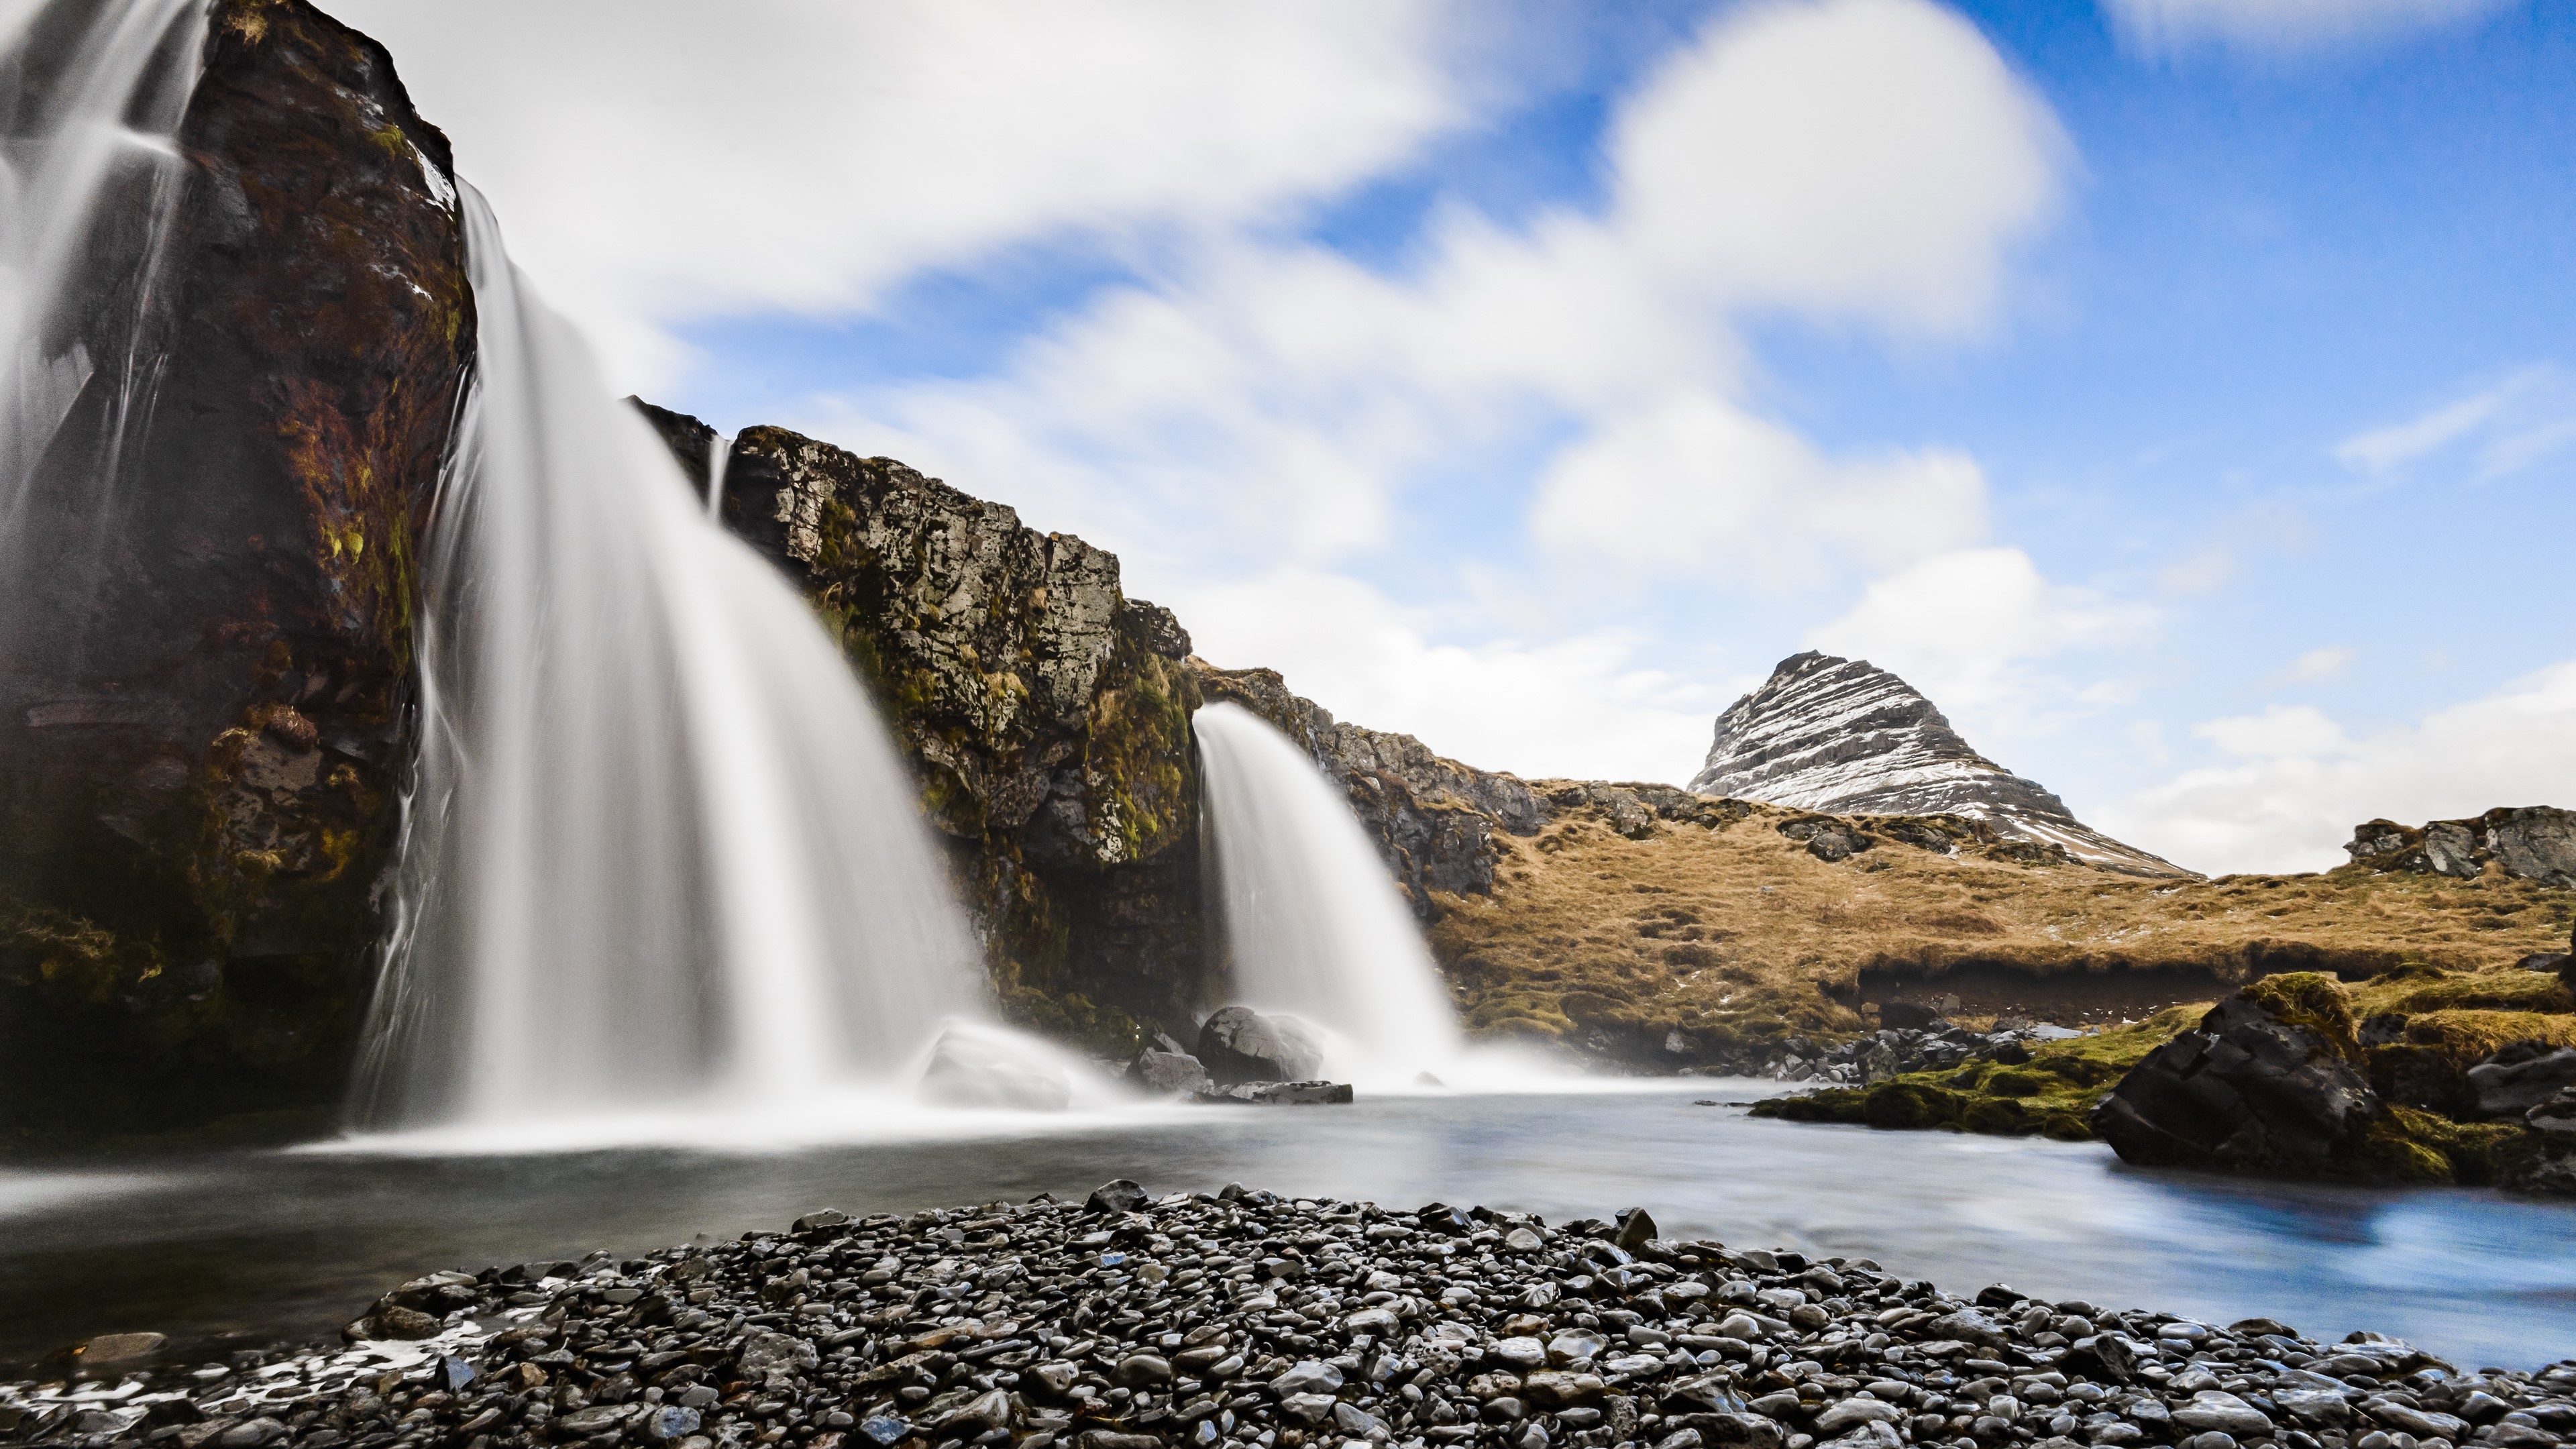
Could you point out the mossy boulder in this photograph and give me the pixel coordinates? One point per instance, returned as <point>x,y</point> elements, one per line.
<point>207,616</point>
<point>2281,1079</point>
<point>2269,1081</point>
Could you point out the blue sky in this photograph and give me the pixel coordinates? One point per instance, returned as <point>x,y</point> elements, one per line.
<point>2180,392</point>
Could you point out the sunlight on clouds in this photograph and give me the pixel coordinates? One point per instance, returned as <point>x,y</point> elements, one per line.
<point>681,162</point>
<point>1196,386</point>
<point>2296,782</point>
<point>2313,667</point>
<point>1870,157</point>
<point>1699,486</point>
<point>1973,628</point>
<point>2158,26</point>
<point>1581,706</point>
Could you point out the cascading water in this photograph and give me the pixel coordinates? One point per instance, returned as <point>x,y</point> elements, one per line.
<point>1315,926</point>
<point>90,97</point>
<point>660,850</point>
<point>719,452</point>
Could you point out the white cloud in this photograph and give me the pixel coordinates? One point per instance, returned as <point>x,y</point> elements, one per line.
<point>1296,397</point>
<point>1972,629</point>
<point>1874,157</point>
<point>1698,485</point>
<point>670,161</point>
<point>1584,707</point>
<point>2295,782</point>
<point>2314,667</point>
<point>2158,26</point>
<point>2510,425</point>
<point>2381,449</point>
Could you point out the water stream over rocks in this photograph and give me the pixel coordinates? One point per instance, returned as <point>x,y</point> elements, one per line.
<point>1313,925</point>
<point>294,1245</point>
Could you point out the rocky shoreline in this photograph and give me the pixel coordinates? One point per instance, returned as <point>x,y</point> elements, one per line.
<point>1134,1322</point>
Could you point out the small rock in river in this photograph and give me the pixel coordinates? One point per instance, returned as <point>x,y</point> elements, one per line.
<point>1118,1195</point>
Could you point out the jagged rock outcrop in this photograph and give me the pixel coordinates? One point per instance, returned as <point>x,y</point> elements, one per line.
<point>1842,736</point>
<point>2532,842</point>
<point>205,656</point>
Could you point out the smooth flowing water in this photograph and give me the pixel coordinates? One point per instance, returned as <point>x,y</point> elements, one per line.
<point>295,1244</point>
<point>660,850</point>
<point>90,98</point>
<point>719,452</point>
<point>1313,925</point>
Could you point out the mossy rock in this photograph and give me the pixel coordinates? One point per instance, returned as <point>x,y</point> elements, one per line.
<point>1909,1105</point>
<point>2021,1082</point>
<point>2314,1002</point>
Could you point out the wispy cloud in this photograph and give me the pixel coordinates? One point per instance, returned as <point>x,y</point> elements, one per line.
<point>2314,667</point>
<point>2007,652</point>
<point>2508,426</point>
<point>653,163</point>
<point>2166,26</point>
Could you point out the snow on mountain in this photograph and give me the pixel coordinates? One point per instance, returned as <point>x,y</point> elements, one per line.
<point>1844,737</point>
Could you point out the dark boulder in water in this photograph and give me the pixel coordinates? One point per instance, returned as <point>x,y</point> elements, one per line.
<point>1239,1044</point>
<point>204,709</point>
<point>2268,1082</point>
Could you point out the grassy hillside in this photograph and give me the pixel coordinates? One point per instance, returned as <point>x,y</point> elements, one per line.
<point>2414,1032</point>
<point>1625,931</point>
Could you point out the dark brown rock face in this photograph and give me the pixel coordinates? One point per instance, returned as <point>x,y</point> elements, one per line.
<point>204,672</point>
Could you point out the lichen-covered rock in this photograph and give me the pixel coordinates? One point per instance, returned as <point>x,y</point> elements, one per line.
<point>1045,713</point>
<point>2520,1077</point>
<point>2533,842</point>
<point>1037,698</point>
<point>203,711</point>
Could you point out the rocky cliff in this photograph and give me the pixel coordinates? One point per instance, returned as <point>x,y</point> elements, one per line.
<point>1047,715</point>
<point>205,657</point>
<point>1842,736</point>
<point>2531,842</point>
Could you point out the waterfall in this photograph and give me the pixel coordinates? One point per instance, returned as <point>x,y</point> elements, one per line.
<point>1314,923</point>
<point>90,98</point>
<point>659,851</point>
<point>719,452</point>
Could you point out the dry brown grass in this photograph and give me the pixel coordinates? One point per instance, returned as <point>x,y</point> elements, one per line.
<point>1738,937</point>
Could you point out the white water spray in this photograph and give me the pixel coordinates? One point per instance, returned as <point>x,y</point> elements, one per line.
<point>660,851</point>
<point>90,98</point>
<point>1316,927</point>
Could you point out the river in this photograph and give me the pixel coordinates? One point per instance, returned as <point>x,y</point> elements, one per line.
<point>255,1247</point>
